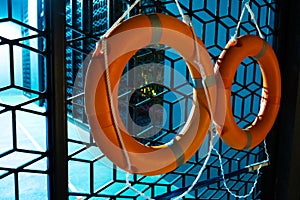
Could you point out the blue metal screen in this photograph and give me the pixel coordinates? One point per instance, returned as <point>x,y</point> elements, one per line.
<point>215,23</point>
<point>24,54</point>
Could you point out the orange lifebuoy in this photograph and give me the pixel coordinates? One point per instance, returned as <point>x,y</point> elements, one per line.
<point>228,62</point>
<point>123,42</point>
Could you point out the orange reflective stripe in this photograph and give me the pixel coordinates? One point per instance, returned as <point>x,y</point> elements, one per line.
<point>228,63</point>
<point>141,31</point>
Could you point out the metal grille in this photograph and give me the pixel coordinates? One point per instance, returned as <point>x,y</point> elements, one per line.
<point>23,156</point>
<point>91,174</point>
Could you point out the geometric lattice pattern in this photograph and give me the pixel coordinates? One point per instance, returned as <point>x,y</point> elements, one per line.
<point>23,129</point>
<point>215,23</point>
<point>23,98</point>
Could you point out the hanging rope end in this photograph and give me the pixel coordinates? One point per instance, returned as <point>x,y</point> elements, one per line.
<point>257,166</point>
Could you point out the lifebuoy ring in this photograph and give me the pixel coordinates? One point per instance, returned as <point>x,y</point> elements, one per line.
<point>141,31</point>
<point>235,52</point>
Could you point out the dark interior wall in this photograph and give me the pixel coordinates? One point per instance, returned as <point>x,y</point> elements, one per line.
<point>282,179</point>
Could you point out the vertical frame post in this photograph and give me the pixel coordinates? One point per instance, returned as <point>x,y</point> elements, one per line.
<point>57,117</point>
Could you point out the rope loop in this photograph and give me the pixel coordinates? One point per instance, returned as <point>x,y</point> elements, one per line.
<point>187,20</point>
<point>250,11</point>
<point>233,40</point>
<point>266,162</point>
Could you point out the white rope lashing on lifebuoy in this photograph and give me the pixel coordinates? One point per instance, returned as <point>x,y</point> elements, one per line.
<point>103,43</point>
<point>234,37</point>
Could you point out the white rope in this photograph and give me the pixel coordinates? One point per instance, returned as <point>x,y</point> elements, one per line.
<point>103,42</point>
<point>234,38</point>
<point>184,19</point>
<point>114,115</point>
<point>266,151</point>
<point>75,96</point>
<point>267,160</point>
<point>104,49</point>
<point>246,6</point>
<point>200,171</point>
<point>254,20</point>
<point>120,19</point>
<point>203,75</point>
<point>225,183</point>
<point>113,111</point>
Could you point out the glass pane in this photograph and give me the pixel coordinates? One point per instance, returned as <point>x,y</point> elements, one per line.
<point>33,186</point>
<point>6,142</point>
<point>7,187</point>
<point>23,161</point>
<point>5,64</point>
